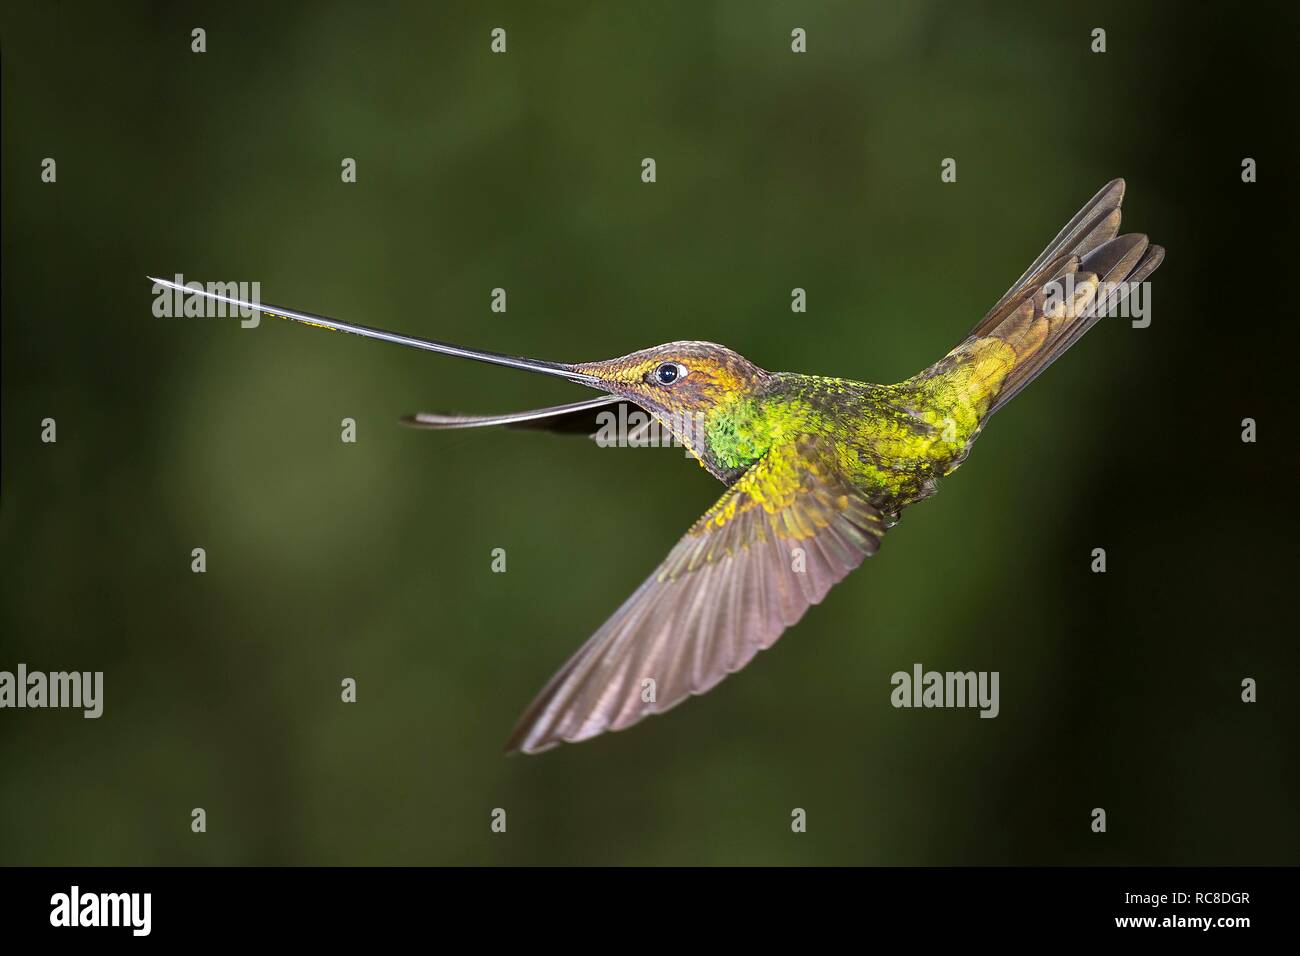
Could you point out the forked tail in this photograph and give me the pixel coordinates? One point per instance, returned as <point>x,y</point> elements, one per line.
<point>1086,272</point>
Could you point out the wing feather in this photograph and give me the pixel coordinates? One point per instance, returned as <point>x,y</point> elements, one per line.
<point>727,590</point>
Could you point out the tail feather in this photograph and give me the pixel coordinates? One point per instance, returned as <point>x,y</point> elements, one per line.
<point>1086,272</point>
<point>1094,224</point>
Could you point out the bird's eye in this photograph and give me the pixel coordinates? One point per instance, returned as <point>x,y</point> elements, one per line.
<point>669,372</point>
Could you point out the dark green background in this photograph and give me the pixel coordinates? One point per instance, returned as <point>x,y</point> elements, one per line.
<point>371,560</point>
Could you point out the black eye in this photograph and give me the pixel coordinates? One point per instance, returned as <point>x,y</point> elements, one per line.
<point>668,373</point>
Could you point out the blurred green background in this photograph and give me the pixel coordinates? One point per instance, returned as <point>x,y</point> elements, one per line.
<point>775,170</point>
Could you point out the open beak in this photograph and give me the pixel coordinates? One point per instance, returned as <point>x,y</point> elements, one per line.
<point>425,419</point>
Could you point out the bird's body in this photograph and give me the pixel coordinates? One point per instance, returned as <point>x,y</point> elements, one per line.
<point>816,470</point>
<point>891,441</point>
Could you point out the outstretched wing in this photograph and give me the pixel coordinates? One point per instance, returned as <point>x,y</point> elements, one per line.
<point>771,547</point>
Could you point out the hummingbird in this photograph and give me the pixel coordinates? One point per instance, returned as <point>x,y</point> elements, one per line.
<point>816,470</point>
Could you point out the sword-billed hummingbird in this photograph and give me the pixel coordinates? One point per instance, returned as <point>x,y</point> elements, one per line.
<point>816,470</point>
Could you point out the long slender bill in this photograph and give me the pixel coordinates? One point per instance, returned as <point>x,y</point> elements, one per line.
<point>576,416</point>
<point>557,369</point>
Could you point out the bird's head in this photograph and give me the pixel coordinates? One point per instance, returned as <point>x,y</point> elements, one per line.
<point>678,378</point>
<point>680,384</point>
